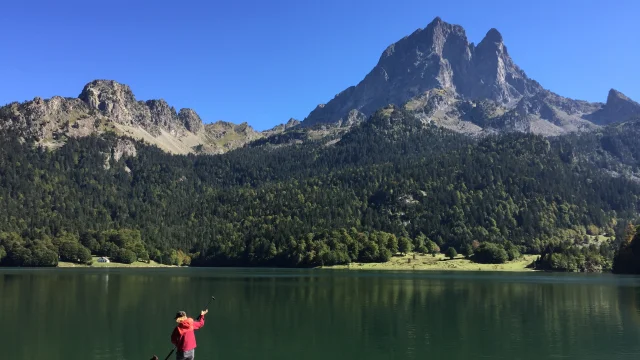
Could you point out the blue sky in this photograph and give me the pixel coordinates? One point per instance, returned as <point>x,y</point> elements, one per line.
<point>266,61</point>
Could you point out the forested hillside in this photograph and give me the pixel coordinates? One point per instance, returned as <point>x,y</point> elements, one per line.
<point>387,185</point>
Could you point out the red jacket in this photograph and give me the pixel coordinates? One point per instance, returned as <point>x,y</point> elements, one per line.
<point>183,337</point>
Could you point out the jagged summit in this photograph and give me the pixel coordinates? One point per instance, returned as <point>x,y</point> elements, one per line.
<point>435,73</point>
<point>117,101</point>
<point>615,95</point>
<point>291,123</point>
<point>618,108</point>
<point>438,56</point>
<point>493,35</point>
<point>99,86</point>
<point>107,105</point>
<point>448,80</point>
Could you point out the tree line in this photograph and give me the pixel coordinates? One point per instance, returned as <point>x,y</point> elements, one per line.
<point>387,185</point>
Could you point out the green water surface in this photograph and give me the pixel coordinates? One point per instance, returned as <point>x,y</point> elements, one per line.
<point>319,314</point>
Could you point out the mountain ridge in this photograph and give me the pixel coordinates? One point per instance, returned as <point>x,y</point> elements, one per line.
<point>435,73</point>
<point>440,57</point>
<point>107,105</point>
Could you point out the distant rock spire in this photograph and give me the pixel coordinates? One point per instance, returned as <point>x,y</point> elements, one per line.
<point>618,108</point>
<point>493,35</point>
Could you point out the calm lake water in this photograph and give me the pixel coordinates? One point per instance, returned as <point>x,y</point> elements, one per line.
<point>319,314</point>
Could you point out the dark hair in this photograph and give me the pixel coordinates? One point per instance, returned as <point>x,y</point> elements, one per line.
<point>180,314</point>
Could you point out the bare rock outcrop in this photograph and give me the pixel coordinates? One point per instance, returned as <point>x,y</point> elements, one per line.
<point>191,120</point>
<point>106,105</point>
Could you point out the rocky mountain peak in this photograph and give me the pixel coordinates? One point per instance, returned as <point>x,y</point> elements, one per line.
<point>161,106</point>
<point>493,36</point>
<point>164,116</point>
<point>190,119</point>
<point>444,79</point>
<point>112,98</point>
<point>436,57</point>
<point>438,33</point>
<point>616,96</point>
<point>618,108</point>
<point>117,102</point>
<point>110,87</point>
<point>106,105</point>
<point>497,77</point>
<point>292,122</point>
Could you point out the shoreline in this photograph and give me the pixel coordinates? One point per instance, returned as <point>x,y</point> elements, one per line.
<point>405,262</point>
<point>439,263</point>
<point>98,265</point>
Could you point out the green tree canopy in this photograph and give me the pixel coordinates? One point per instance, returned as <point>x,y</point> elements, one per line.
<point>451,252</point>
<point>489,253</point>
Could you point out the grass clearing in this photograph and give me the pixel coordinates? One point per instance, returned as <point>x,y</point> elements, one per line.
<point>407,262</point>
<point>96,264</point>
<point>439,263</point>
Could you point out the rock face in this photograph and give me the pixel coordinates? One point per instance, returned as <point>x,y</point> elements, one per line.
<point>494,75</point>
<point>45,119</point>
<point>282,127</point>
<point>114,100</point>
<point>191,120</point>
<point>436,73</point>
<point>124,148</point>
<point>106,105</point>
<point>354,117</point>
<point>436,57</point>
<point>618,108</point>
<point>162,116</point>
<point>440,75</point>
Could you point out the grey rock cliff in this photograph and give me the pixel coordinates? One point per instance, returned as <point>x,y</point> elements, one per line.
<point>47,119</point>
<point>191,120</point>
<point>438,56</point>
<point>617,109</point>
<point>116,102</point>
<point>162,116</point>
<point>495,76</point>
<point>106,105</point>
<point>437,73</point>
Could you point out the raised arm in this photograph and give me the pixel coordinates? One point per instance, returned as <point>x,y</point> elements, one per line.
<point>200,323</point>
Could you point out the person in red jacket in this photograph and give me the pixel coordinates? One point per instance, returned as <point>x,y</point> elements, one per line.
<point>183,336</point>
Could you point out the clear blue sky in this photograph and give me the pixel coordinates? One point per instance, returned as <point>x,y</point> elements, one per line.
<point>266,61</point>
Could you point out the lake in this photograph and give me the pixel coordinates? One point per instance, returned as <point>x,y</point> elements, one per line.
<point>319,314</point>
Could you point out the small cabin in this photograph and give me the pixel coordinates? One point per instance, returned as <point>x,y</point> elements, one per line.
<point>103,259</point>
